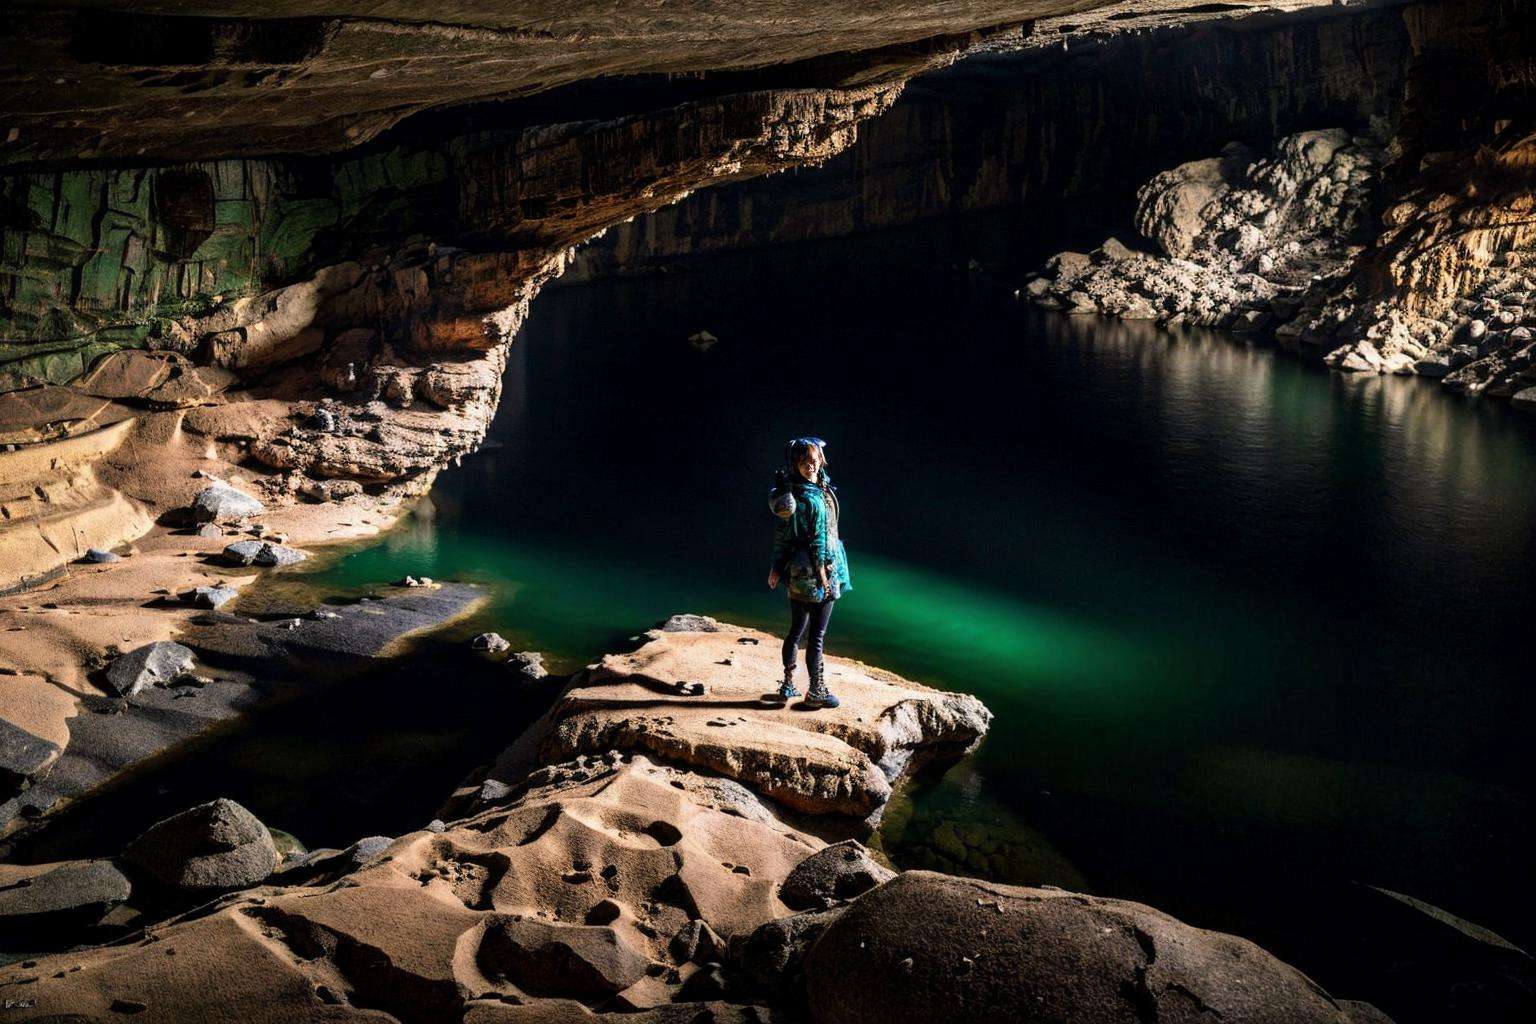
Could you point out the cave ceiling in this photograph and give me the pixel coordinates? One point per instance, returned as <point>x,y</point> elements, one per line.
<point>165,81</point>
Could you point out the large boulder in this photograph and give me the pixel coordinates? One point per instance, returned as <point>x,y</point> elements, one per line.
<point>925,947</point>
<point>220,502</point>
<point>163,661</point>
<point>217,845</point>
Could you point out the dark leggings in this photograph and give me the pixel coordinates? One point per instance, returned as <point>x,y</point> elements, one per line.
<point>803,614</point>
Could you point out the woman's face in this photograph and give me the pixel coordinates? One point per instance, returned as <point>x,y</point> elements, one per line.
<point>809,464</point>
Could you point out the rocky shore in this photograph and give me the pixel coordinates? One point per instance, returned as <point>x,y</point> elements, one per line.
<point>683,873</point>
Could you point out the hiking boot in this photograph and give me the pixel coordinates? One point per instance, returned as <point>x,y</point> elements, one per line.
<point>821,697</point>
<point>787,687</point>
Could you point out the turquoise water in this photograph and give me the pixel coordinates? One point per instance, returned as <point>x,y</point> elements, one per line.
<point>1252,632</point>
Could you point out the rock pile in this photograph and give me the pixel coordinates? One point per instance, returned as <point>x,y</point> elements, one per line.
<point>1243,238</point>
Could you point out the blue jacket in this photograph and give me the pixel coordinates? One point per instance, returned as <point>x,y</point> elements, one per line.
<point>809,538</point>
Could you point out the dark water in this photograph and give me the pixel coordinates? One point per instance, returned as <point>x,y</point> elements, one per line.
<point>1252,632</point>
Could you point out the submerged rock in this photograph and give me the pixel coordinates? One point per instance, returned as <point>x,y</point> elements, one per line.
<point>221,502</point>
<point>217,845</point>
<point>161,662</point>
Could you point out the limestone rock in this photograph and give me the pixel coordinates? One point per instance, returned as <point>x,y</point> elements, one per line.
<point>217,845</point>
<point>161,662</point>
<point>330,490</point>
<point>840,872</point>
<point>527,665</point>
<point>493,643</point>
<point>211,597</point>
<point>838,761</point>
<point>220,503</point>
<point>926,947</point>
<point>79,891</point>
<point>1237,232</point>
<point>261,553</point>
<point>689,623</point>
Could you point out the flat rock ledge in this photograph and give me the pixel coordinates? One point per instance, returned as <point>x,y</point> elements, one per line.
<point>839,761</point>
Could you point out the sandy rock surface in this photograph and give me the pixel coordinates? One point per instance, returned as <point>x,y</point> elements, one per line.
<point>838,761</point>
<point>573,887</point>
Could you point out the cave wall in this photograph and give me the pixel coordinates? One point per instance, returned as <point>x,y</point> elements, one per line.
<point>1028,128</point>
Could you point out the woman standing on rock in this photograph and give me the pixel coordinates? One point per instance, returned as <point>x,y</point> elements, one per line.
<point>807,549</point>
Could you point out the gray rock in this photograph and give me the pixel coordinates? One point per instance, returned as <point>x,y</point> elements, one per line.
<point>1524,400</point>
<point>22,754</point>
<point>492,790</point>
<point>527,665</point>
<point>437,825</point>
<point>98,555</point>
<point>217,845</point>
<point>364,850</point>
<point>161,662</point>
<point>1476,329</point>
<point>82,891</point>
<point>690,624</point>
<point>211,597</point>
<point>209,530</point>
<point>221,502</point>
<point>495,643</point>
<point>835,873</point>
<point>262,553</point>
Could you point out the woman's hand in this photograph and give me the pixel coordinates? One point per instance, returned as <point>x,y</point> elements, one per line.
<point>821,571</point>
<point>773,579</point>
